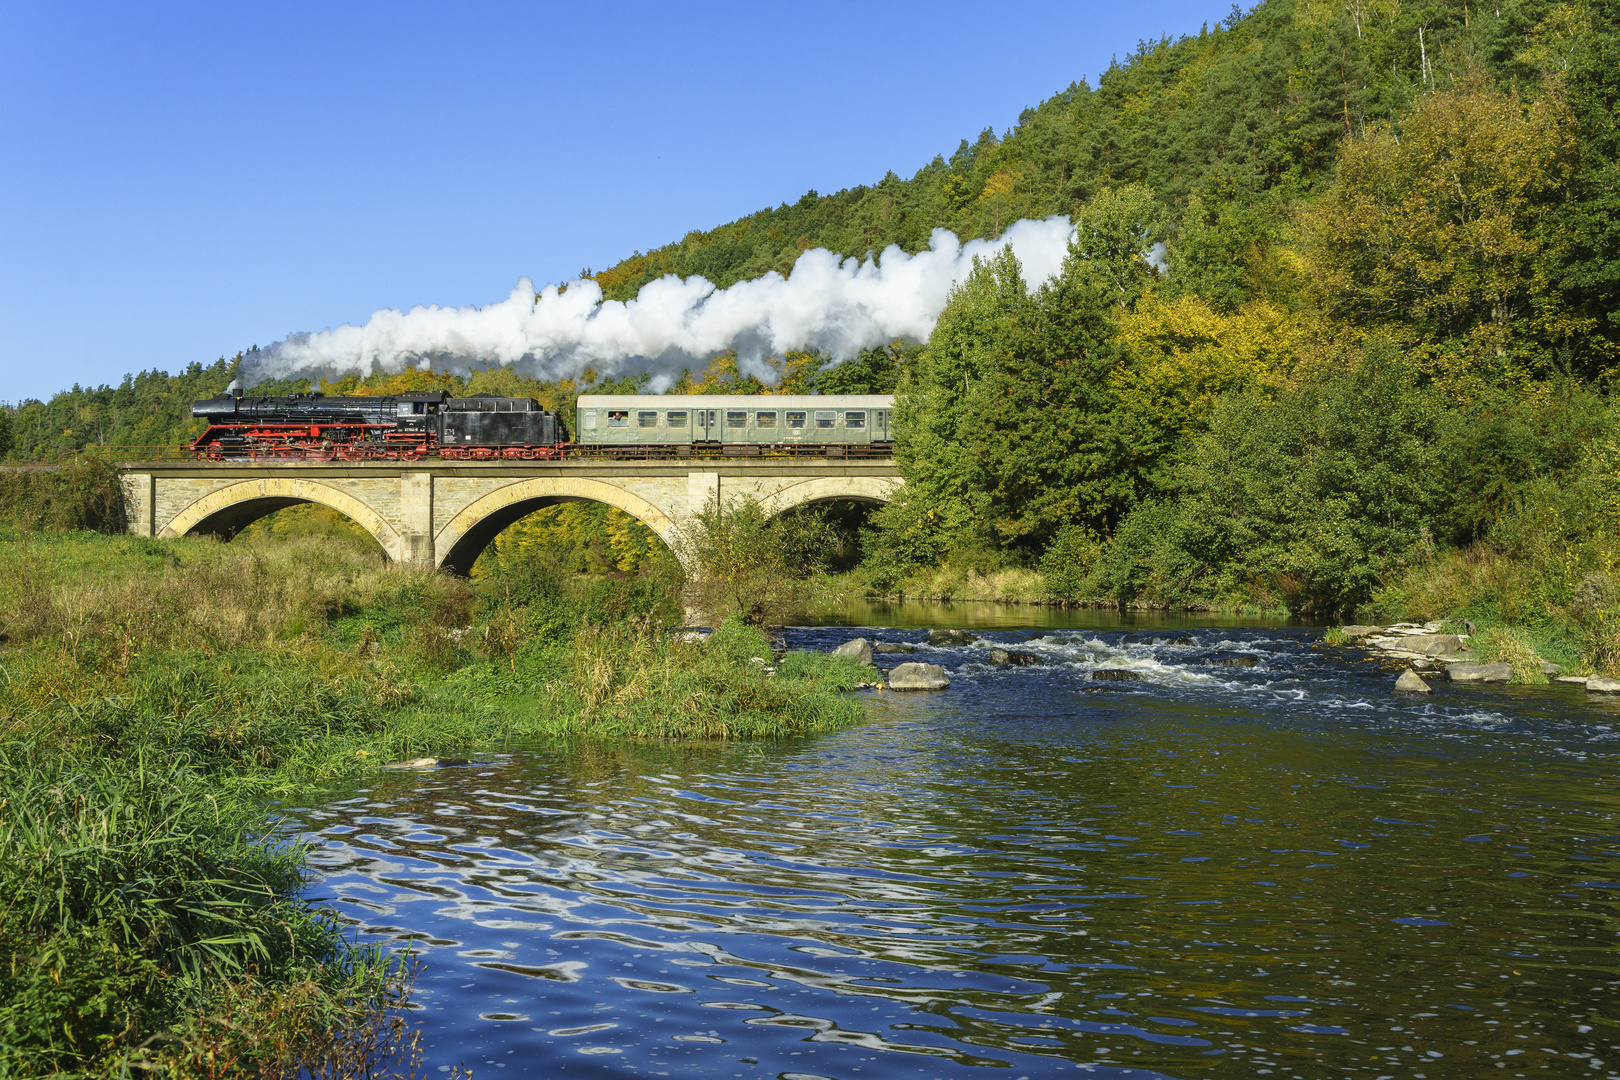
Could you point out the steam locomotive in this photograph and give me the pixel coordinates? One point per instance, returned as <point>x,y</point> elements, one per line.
<point>407,427</point>
<point>395,427</point>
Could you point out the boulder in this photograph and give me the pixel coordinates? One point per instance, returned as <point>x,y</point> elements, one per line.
<point>1360,631</point>
<point>1597,684</point>
<point>859,649</point>
<point>1549,669</point>
<point>1236,661</point>
<point>1432,644</point>
<point>914,676</point>
<point>1582,679</point>
<point>1013,657</point>
<point>1116,675</point>
<point>1479,672</point>
<point>949,637</point>
<point>1410,682</point>
<point>892,647</point>
<point>426,763</point>
<point>692,637</point>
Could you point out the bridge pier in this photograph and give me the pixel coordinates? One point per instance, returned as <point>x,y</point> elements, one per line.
<point>445,513</point>
<point>140,497</point>
<point>416,518</point>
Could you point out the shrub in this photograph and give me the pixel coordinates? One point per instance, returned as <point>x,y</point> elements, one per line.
<point>62,498</point>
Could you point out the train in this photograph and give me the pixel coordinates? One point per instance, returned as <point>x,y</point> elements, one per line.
<point>485,427</point>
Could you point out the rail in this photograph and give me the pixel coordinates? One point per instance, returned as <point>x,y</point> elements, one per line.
<point>829,451</point>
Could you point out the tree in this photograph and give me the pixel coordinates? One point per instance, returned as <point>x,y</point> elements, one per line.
<point>1432,232</point>
<point>1006,424</point>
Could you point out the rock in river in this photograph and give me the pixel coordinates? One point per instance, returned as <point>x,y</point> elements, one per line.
<point>1432,644</point>
<point>1409,681</point>
<point>892,647</point>
<point>1479,672</point>
<point>1236,661</point>
<point>949,637</point>
<point>859,649</point>
<point>1597,684</point>
<point>1116,675</point>
<point>915,676</point>
<point>1013,657</point>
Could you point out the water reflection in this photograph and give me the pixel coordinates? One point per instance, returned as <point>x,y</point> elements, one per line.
<point>1215,871</point>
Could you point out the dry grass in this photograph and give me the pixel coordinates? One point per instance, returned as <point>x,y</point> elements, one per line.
<point>149,595</point>
<point>1015,585</point>
<point>1510,645</point>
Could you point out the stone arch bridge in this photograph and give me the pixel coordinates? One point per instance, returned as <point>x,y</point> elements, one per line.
<point>446,513</point>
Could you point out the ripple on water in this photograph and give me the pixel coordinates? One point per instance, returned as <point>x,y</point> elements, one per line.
<point>1218,871</point>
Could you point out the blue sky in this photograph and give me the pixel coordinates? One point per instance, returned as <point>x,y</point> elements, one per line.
<point>182,181</point>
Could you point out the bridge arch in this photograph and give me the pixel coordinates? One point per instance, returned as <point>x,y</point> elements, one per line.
<point>227,510</point>
<point>874,489</point>
<point>473,528</point>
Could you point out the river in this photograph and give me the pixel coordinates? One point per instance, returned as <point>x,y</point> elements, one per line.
<point>1226,872</point>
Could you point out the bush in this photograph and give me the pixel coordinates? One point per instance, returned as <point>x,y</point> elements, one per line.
<point>751,566</point>
<point>62,498</point>
<point>1314,497</point>
<point>1067,563</point>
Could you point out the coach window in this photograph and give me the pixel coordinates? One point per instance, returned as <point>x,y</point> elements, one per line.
<point>618,418</point>
<point>765,419</point>
<point>855,419</point>
<point>736,419</point>
<point>675,419</point>
<point>646,419</point>
<point>826,418</point>
<point>590,418</point>
<point>795,419</point>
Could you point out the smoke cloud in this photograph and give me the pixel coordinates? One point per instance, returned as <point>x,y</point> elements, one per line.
<point>836,306</point>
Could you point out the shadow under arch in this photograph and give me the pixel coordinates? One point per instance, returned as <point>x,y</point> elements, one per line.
<point>465,536</point>
<point>872,489</point>
<point>226,511</point>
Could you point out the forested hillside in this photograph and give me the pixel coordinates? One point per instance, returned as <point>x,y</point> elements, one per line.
<point>1235,128</point>
<point>1384,325</point>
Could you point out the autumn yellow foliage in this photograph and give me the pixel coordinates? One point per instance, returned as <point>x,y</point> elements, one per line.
<point>1182,354</point>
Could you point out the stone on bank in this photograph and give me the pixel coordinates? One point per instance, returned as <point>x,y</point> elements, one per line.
<point>1479,672</point>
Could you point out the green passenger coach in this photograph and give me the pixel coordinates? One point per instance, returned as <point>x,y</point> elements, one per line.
<point>653,424</point>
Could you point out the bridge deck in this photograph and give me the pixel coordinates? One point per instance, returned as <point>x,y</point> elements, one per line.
<point>606,469</point>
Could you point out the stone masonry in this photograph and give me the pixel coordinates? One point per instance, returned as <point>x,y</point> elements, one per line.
<point>445,513</point>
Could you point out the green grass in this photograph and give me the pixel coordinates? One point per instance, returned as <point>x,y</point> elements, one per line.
<point>154,694</point>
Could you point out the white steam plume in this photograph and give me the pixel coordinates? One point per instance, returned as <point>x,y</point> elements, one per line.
<point>838,306</point>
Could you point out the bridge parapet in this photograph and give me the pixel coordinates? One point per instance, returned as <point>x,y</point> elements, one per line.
<point>445,514</point>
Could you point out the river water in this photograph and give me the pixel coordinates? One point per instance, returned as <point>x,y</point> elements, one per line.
<point>1215,871</point>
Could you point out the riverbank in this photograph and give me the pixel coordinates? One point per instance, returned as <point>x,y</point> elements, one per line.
<point>1015,586</point>
<point>154,695</point>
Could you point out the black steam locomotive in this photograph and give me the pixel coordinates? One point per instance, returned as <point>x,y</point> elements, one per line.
<point>395,427</point>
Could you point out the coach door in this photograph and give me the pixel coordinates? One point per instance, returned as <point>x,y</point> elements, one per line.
<point>706,421</point>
